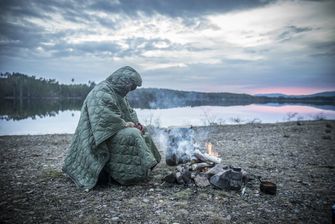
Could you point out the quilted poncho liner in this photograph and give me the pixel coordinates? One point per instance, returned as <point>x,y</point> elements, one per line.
<point>102,140</point>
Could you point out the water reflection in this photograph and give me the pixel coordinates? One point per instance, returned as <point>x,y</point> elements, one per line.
<point>33,108</point>
<point>218,115</point>
<point>60,120</point>
<point>63,122</point>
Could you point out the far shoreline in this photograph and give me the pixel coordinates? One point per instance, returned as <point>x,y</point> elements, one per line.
<point>283,123</point>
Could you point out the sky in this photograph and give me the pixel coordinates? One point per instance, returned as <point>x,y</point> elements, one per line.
<point>240,46</point>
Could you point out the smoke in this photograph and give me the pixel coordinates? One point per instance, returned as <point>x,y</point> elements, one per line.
<point>179,144</point>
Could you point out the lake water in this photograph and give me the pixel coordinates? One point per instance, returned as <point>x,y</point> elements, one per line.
<point>66,121</point>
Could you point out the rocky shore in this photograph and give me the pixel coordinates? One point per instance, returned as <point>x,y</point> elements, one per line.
<point>298,156</point>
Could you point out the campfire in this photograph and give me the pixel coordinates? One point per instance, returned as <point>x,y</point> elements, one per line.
<point>210,150</point>
<point>197,165</point>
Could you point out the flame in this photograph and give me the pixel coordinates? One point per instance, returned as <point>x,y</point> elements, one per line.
<point>210,150</point>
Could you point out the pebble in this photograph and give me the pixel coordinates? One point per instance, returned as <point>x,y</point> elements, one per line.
<point>115,219</point>
<point>292,181</point>
<point>228,218</point>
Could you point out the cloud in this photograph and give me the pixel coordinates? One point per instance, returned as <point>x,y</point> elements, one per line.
<point>227,42</point>
<point>291,32</point>
<point>174,8</point>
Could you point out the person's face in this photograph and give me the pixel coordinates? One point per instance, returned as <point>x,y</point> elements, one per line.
<point>133,87</point>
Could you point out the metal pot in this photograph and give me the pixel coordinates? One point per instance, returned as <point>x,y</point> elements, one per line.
<point>267,187</point>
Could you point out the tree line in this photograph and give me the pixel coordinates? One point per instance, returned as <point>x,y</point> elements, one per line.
<point>20,86</point>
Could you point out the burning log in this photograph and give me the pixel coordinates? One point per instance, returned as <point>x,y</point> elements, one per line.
<point>204,157</point>
<point>180,145</point>
<point>198,166</point>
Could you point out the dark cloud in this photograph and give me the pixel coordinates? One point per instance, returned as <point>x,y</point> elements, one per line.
<point>290,31</point>
<point>19,8</point>
<point>323,49</point>
<point>18,33</point>
<point>74,9</point>
<point>175,8</point>
<point>17,37</point>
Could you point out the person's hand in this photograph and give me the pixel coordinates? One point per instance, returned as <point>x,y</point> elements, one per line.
<point>140,127</point>
<point>130,125</point>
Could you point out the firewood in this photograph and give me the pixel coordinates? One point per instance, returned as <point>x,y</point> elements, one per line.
<point>204,157</point>
<point>198,166</point>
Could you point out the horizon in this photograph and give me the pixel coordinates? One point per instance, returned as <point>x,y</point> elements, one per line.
<point>252,47</point>
<point>297,94</point>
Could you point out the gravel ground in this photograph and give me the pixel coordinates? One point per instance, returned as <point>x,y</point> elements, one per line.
<point>298,156</point>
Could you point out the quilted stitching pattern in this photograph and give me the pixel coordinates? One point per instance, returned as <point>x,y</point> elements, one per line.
<point>132,158</point>
<point>128,156</point>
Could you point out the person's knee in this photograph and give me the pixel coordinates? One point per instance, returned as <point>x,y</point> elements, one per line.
<point>132,132</point>
<point>127,136</point>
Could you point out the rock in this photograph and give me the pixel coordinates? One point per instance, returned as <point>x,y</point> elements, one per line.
<point>245,177</point>
<point>171,178</point>
<point>216,169</point>
<point>179,178</point>
<point>201,181</point>
<point>228,218</point>
<point>183,212</point>
<point>182,176</point>
<point>230,179</point>
<point>186,176</point>
<point>327,137</point>
<point>236,179</point>
<point>115,219</point>
<point>221,180</point>
<point>180,168</point>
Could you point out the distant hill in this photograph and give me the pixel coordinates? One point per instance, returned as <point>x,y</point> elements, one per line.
<point>324,94</point>
<point>167,98</point>
<point>321,94</point>
<point>271,95</point>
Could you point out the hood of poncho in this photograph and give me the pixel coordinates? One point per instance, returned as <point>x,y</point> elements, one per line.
<point>124,79</point>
